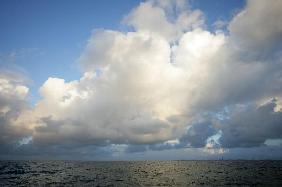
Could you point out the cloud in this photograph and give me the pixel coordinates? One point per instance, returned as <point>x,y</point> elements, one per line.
<point>258,27</point>
<point>13,101</point>
<point>168,19</point>
<point>136,90</point>
<point>220,24</point>
<point>161,86</point>
<point>198,134</point>
<point>252,126</point>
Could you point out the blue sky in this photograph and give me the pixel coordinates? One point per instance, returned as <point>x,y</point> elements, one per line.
<point>130,79</point>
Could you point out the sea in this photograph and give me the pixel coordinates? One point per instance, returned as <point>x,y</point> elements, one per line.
<point>141,173</point>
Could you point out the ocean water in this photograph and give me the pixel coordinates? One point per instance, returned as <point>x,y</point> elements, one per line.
<point>141,173</point>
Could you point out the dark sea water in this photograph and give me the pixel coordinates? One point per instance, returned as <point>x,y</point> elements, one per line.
<point>141,173</point>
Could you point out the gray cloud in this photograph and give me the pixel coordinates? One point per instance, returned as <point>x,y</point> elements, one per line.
<point>198,134</point>
<point>251,126</point>
<point>258,28</point>
<point>13,95</point>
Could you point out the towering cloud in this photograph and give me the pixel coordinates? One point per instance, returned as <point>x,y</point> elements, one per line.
<point>169,83</point>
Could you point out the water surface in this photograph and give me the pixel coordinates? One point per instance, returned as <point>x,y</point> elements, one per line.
<point>141,173</point>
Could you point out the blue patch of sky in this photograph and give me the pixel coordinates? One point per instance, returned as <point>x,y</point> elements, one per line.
<point>25,140</point>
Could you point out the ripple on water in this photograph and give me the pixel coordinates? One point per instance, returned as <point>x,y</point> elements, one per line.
<point>141,173</point>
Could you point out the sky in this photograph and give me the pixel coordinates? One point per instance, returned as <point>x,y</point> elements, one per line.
<point>140,80</point>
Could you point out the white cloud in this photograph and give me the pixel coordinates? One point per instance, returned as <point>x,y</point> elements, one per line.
<point>168,19</point>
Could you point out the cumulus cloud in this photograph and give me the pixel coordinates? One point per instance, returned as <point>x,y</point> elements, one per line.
<point>162,85</point>
<point>13,101</point>
<point>258,27</point>
<point>169,19</point>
